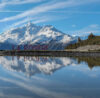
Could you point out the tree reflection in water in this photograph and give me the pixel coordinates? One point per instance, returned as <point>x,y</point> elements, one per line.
<point>91,61</point>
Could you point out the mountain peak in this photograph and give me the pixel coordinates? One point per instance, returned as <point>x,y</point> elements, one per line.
<point>50,26</point>
<point>33,34</point>
<point>30,24</point>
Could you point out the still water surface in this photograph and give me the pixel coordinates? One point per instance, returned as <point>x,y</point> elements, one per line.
<point>49,77</point>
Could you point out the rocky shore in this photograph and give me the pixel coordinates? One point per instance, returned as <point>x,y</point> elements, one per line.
<point>86,48</point>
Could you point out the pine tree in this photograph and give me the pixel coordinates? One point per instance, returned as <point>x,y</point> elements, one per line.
<point>91,36</point>
<point>79,39</point>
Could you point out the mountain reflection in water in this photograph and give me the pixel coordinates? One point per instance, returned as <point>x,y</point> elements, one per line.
<point>46,65</point>
<point>34,65</point>
<point>49,77</point>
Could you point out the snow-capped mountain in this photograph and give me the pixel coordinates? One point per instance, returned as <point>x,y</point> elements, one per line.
<point>32,34</point>
<point>33,65</point>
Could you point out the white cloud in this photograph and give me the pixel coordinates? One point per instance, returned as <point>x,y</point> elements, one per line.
<point>18,2</point>
<point>73,25</point>
<point>93,28</point>
<point>76,12</point>
<point>42,8</point>
<point>47,7</point>
<point>36,10</point>
<point>35,21</point>
<point>5,3</point>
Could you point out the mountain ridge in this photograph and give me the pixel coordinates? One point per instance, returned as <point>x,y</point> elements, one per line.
<point>36,35</point>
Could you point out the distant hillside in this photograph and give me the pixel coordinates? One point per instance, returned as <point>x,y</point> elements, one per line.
<point>92,40</point>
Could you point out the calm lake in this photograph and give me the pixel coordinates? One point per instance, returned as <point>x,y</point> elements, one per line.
<point>49,77</point>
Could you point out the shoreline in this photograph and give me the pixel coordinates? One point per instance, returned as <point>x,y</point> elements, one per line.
<point>50,53</point>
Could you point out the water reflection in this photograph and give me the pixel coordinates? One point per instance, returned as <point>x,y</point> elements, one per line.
<point>34,65</point>
<point>47,65</point>
<point>47,77</point>
<point>91,61</point>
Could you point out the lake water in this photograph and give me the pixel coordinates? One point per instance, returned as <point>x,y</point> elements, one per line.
<point>49,77</point>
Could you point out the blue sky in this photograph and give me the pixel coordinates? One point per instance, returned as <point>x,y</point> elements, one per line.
<point>74,17</point>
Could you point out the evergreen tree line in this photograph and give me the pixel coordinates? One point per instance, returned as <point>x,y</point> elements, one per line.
<point>92,40</point>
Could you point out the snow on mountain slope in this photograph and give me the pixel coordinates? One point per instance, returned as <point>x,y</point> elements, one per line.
<point>32,34</point>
